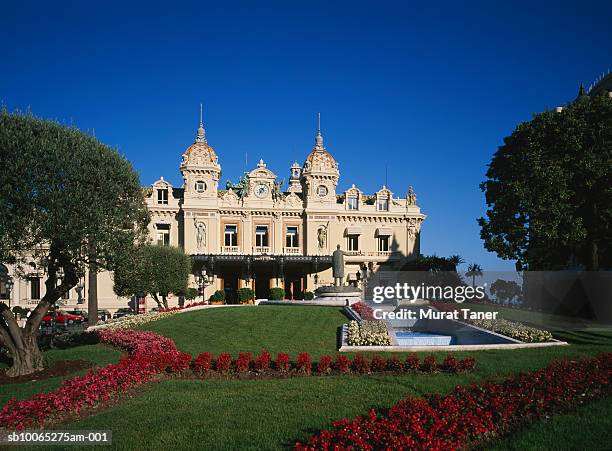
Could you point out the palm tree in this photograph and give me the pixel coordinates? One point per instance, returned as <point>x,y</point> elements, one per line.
<point>456,260</point>
<point>474,270</point>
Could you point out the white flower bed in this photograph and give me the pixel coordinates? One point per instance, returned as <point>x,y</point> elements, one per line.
<point>514,330</point>
<point>130,321</point>
<point>368,333</point>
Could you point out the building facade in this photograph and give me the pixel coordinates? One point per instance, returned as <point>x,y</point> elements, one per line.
<point>258,234</point>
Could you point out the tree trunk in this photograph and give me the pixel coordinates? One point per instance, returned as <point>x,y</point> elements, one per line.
<point>156,299</point>
<point>165,301</point>
<point>92,294</point>
<point>26,360</point>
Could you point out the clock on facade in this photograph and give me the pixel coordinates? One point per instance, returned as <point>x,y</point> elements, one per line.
<point>262,190</point>
<point>322,190</point>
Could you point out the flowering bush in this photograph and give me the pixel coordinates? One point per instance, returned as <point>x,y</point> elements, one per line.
<point>361,364</point>
<point>243,362</point>
<point>364,310</point>
<point>342,364</point>
<point>368,333</point>
<point>394,364</point>
<point>412,362</point>
<point>304,364</point>
<point>468,417</point>
<point>380,364</point>
<point>450,364</point>
<point>184,307</point>
<point>514,330</point>
<point>429,364</point>
<point>262,362</point>
<point>223,362</point>
<point>203,362</point>
<point>467,364</point>
<point>324,365</point>
<point>282,362</point>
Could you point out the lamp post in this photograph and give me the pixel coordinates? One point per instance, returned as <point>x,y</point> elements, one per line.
<point>9,287</point>
<point>203,281</point>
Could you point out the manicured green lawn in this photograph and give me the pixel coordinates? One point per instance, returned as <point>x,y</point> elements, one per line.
<point>291,329</point>
<point>589,427</point>
<point>271,414</point>
<point>98,355</point>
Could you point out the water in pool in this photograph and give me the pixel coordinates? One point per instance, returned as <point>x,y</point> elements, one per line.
<point>410,338</point>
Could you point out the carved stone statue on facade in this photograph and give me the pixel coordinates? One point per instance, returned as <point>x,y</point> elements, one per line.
<point>200,234</point>
<point>411,196</point>
<point>338,266</point>
<point>277,193</point>
<point>322,237</point>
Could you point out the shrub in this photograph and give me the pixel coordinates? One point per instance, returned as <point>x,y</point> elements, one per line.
<point>342,364</point>
<point>70,339</point>
<point>364,310</point>
<point>467,364</point>
<point>179,362</point>
<point>324,365</point>
<point>429,364</point>
<point>191,294</point>
<point>395,364</point>
<point>277,294</point>
<point>262,362</point>
<point>412,362</point>
<point>245,294</point>
<point>361,364</point>
<point>223,362</point>
<point>243,362</point>
<point>304,364</point>
<point>308,295</point>
<point>218,296</point>
<point>203,362</point>
<point>378,363</point>
<point>450,364</point>
<point>282,362</point>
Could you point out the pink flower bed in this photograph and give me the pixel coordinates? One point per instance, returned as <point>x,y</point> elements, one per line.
<point>184,307</point>
<point>469,417</point>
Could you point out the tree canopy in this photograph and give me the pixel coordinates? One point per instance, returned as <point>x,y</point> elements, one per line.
<point>64,197</point>
<point>155,270</point>
<point>549,189</point>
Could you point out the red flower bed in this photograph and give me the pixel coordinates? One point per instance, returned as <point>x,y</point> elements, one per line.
<point>282,362</point>
<point>184,307</point>
<point>304,364</point>
<point>149,354</point>
<point>324,365</point>
<point>471,416</point>
<point>242,363</point>
<point>223,362</point>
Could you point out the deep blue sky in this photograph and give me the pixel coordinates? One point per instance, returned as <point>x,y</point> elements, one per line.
<point>429,90</point>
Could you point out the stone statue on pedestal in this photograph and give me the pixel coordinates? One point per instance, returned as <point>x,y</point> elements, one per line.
<point>338,266</point>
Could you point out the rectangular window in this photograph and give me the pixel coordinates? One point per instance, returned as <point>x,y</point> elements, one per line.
<point>231,235</point>
<point>163,234</point>
<point>351,202</point>
<point>292,237</point>
<point>261,236</point>
<point>162,196</point>
<point>382,204</point>
<point>353,242</point>
<point>34,287</point>
<point>383,243</point>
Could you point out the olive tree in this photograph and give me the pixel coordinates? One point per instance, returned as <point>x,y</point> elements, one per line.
<point>154,270</point>
<point>65,200</point>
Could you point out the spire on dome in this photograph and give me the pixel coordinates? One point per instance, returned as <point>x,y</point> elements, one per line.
<point>201,136</point>
<point>319,138</point>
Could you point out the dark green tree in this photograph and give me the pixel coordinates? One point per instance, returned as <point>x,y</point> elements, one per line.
<point>549,189</point>
<point>505,290</point>
<point>154,270</point>
<point>63,197</point>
